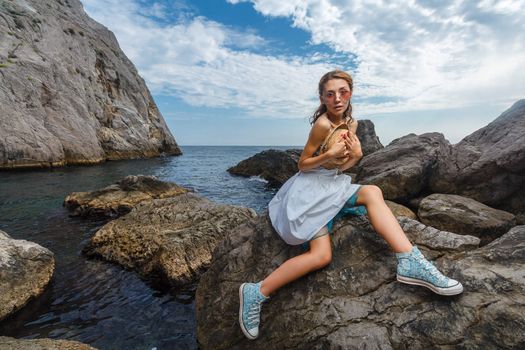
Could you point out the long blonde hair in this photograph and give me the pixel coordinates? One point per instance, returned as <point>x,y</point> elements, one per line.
<point>335,74</point>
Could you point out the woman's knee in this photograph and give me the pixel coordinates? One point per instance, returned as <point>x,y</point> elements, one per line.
<point>369,192</point>
<point>320,252</point>
<point>321,259</point>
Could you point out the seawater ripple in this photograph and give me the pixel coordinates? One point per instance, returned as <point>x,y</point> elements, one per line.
<point>100,303</point>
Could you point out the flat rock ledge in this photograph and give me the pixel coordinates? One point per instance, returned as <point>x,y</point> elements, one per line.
<point>356,302</point>
<point>119,198</point>
<point>169,240</point>
<point>8,343</point>
<point>465,216</point>
<point>25,270</point>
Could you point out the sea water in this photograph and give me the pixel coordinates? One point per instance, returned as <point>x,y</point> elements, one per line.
<point>97,302</point>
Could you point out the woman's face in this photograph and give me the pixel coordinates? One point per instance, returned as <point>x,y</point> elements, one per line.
<point>336,96</point>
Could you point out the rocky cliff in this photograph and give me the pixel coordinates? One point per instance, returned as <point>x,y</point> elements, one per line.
<point>68,94</point>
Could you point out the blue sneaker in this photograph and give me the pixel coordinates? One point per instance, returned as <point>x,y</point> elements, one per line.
<point>251,299</point>
<point>413,268</point>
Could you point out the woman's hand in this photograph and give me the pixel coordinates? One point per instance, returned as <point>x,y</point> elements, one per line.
<point>353,145</point>
<point>339,149</point>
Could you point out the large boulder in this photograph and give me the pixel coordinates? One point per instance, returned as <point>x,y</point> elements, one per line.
<point>356,302</point>
<point>465,216</point>
<point>25,270</point>
<point>8,343</point>
<point>272,165</point>
<point>69,94</point>
<point>403,168</point>
<point>119,198</point>
<point>489,164</point>
<point>170,240</point>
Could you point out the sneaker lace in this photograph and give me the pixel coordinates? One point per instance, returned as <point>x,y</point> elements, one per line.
<point>431,268</point>
<point>254,312</point>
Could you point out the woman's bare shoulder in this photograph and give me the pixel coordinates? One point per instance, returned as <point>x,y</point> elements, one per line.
<point>322,124</point>
<point>319,131</point>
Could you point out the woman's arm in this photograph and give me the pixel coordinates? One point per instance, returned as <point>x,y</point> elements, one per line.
<point>350,163</point>
<point>317,135</point>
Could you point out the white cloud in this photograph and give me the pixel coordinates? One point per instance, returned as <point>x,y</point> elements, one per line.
<point>410,55</point>
<point>206,63</point>
<point>420,54</point>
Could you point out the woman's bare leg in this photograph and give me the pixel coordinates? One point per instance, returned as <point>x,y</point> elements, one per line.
<point>319,255</point>
<point>382,219</point>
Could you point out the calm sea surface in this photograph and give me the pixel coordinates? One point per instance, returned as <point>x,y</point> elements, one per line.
<point>99,303</point>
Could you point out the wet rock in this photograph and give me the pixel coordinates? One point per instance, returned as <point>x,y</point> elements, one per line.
<point>69,93</point>
<point>332,308</point>
<point>119,198</point>
<point>8,343</point>
<point>488,165</point>
<point>169,240</point>
<point>272,165</point>
<point>25,270</point>
<point>403,168</point>
<point>465,216</point>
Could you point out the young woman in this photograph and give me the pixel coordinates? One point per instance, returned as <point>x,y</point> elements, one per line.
<point>304,208</point>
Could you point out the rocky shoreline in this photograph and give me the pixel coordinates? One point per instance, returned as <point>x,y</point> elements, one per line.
<point>71,96</point>
<point>167,233</point>
<point>170,239</point>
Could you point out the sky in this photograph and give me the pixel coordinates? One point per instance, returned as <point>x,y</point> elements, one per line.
<point>245,72</point>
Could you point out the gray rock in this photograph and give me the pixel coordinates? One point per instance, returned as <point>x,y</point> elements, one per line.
<point>119,198</point>
<point>489,164</point>
<point>25,270</point>
<point>400,210</point>
<point>8,343</point>
<point>69,94</point>
<point>334,307</point>
<point>367,136</point>
<point>495,280</point>
<point>435,239</point>
<point>272,165</point>
<point>465,216</point>
<point>403,168</point>
<point>170,240</point>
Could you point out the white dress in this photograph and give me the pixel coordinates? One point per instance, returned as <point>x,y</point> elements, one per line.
<point>308,201</point>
